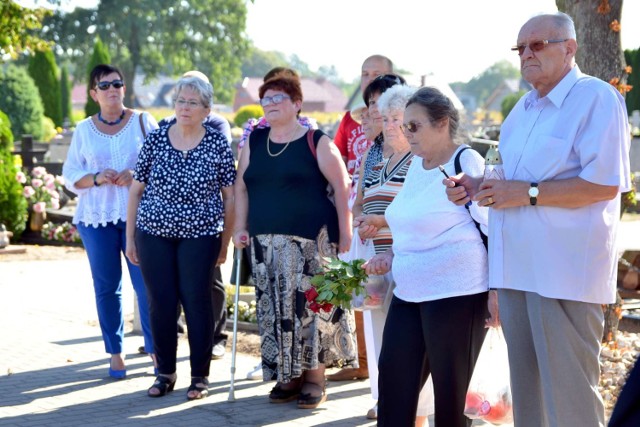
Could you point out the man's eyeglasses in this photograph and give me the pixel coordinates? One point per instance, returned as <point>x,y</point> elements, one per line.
<point>535,46</point>
<point>411,127</point>
<point>275,99</point>
<point>184,103</point>
<point>117,84</point>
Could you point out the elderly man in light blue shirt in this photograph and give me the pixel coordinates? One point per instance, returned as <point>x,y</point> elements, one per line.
<point>552,227</point>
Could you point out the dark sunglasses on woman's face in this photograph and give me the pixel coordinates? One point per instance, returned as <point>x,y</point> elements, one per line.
<point>411,127</point>
<point>117,84</point>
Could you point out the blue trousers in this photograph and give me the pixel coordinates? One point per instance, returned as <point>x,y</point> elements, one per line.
<point>180,271</point>
<point>104,245</point>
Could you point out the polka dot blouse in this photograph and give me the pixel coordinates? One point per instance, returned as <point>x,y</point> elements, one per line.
<point>182,197</point>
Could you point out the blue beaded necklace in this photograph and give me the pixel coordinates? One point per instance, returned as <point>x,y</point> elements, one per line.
<point>113,123</point>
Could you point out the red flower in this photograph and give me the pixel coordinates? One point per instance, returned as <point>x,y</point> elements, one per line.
<point>327,306</point>
<point>311,294</point>
<point>315,307</point>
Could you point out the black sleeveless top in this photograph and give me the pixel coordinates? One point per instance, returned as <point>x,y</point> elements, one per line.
<point>287,193</point>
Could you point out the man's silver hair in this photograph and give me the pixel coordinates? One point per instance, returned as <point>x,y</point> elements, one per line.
<point>202,88</point>
<point>562,22</point>
<point>395,98</point>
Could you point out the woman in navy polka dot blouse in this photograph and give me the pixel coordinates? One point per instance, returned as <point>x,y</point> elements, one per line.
<point>179,219</point>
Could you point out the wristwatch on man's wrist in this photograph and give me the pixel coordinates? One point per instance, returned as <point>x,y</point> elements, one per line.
<point>533,193</point>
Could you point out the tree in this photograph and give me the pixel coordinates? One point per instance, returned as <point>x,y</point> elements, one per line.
<point>259,62</point>
<point>16,29</point>
<point>597,25</point>
<point>65,96</point>
<point>99,56</point>
<point>486,82</point>
<point>509,102</point>
<point>155,36</point>
<point>44,72</point>
<point>20,99</point>
<point>13,205</point>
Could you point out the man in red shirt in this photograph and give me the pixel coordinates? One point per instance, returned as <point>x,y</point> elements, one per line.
<point>352,143</point>
<point>350,138</point>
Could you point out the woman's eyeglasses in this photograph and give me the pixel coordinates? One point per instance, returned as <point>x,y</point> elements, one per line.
<point>275,99</point>
<point>535,46</point>
<point>411,127</point>
<point>117,84</point>
<point>184,103</point>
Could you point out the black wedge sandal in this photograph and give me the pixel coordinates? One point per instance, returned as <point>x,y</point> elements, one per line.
<point>282,395</point>
<point>309,401</point>
<point>163,384</point>
<point>202,391</point>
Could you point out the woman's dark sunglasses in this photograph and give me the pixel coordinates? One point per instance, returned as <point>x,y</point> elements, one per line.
<point>411,127</point>
<point>117,84</point>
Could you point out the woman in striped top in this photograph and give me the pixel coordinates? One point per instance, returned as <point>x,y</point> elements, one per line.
<point>381,186</point>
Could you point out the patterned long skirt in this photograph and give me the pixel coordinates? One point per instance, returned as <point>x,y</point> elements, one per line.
<point>293,338</point>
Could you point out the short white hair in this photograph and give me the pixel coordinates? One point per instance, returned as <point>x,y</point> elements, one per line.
<point>202,88</point>
<point>561,21</point>
<point>395,98</point>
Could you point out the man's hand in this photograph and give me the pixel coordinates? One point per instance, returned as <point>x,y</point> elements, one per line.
<point>500,194</point>
<point>494,312</point>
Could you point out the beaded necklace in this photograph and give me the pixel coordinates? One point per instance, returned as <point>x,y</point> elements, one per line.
<point>113,123</point>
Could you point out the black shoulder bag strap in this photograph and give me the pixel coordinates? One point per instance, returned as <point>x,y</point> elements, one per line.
<point>458,168</point>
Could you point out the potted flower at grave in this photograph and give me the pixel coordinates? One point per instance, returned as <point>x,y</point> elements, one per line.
<point>42,190</point>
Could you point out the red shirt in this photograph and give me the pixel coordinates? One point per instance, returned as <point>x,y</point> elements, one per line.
<point>351,141</point>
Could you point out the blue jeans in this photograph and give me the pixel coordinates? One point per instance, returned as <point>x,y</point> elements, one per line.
<point>104,245</point>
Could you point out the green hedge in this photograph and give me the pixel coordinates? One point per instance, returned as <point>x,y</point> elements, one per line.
<point>13,205</point>
<point>20,100</point>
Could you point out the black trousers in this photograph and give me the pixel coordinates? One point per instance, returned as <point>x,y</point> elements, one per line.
<point>440,338</point>
<point>219,301</point>
<point>179,271</point>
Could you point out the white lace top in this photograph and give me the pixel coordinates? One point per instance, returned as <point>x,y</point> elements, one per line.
<point>92,151</point>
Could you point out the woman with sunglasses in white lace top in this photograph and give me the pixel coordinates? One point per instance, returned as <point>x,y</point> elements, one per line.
<point>98,168</point>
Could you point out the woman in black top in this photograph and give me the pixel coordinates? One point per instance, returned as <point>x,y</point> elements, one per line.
<point>281,202</point>
<point>181,202</point>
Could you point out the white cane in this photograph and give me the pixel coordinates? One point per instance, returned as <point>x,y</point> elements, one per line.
<point>236,297</point>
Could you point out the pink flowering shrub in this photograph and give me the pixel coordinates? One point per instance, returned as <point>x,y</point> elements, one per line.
<point>41,189</point>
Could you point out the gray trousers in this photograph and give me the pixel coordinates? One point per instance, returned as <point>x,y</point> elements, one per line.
<point>554,348</point>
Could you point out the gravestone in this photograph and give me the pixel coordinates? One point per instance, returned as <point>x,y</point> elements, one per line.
<point>59,146</point>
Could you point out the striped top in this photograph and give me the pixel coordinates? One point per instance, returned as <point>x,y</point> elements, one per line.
<point>380,188</point>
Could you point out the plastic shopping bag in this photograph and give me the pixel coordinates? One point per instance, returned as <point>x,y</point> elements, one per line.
<point>489,393</point>
<point>376,286</point>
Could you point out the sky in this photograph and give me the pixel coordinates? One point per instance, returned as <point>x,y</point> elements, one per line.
<point>453,40</point>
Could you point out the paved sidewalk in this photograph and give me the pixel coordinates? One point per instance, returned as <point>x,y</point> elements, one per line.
<point>53,368</point>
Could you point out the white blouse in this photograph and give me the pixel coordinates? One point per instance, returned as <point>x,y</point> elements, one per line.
<point>92,151</point>
<point>438,251</point>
